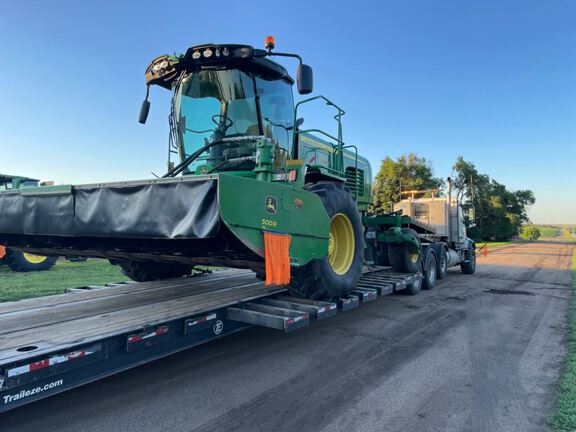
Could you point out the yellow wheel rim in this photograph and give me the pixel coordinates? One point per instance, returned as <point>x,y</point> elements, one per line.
<point>414,255</point>
<point>341,244</point>
<point>34,259</point>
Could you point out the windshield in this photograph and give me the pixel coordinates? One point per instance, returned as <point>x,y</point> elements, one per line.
<point>212,105</point>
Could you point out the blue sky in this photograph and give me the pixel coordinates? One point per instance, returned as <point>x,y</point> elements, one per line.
<point>494,81</point>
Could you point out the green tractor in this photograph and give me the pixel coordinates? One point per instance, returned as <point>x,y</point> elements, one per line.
<point>21,261</point>
<point>250,187</point>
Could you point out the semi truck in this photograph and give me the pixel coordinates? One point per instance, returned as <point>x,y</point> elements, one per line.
<point>284,207</point>
<point>436,229</point>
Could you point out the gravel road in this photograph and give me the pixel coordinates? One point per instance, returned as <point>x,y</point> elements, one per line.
<point>478,353</point>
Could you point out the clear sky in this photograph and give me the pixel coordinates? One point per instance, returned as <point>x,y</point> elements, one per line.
<point>492,80</point>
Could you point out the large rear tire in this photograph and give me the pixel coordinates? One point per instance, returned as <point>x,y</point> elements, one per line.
<point>337,273</point>
<point>26,262</point>
<point>141,271</point>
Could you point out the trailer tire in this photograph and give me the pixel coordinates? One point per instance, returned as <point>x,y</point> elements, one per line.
<point>26,262</point>
<point>337,273</point>
<point>144,271</point>
<point>404,258</point>
<point>442,264</point>
<point>414,288</point>
<point>470,266</point>
<point>430,271</point>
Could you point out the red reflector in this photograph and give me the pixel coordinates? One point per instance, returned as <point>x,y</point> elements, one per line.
<point>132,339</point>
<point>39,365</point>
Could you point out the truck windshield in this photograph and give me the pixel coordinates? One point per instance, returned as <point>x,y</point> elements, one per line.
<point>211,105</point>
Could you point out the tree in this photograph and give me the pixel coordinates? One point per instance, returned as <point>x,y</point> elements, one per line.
<point>530,232</point>
<point>408,172</point>
<point>500,213</point>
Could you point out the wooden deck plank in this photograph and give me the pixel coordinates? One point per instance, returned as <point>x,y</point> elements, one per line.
<point>41,317</point>
<point>58,299</point>
<point>62,335</point>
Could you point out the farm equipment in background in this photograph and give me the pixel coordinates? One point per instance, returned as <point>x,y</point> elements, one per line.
<point>252,189</point>
<point>21,261</point>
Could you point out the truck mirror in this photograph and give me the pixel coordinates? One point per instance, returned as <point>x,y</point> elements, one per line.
<point>299,122</point>
<point>305,79</point>
<point>144,110</point>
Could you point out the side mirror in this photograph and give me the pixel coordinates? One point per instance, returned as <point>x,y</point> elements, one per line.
<point>144,110</point>
<point>305,79</point>
<point>299,122</point>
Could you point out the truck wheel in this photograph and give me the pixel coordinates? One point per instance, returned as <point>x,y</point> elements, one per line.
<point>442,264</point>
<point>142,271</point>
<point>470,266</point>
<point>337,273</point>
<point>27,262</point>
<point>430,271</point>
<point>414,287</point>
<point>405,257</point>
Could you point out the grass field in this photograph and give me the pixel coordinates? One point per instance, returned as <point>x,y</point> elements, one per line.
<point>548,231</point>
<point>564,418</point>
<point>65,274</point>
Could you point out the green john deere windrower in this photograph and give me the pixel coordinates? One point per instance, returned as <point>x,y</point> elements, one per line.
<point>250,188</point>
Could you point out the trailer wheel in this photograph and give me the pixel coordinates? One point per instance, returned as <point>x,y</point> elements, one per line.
<point>414,287</point>
<point>442,264</point>
<point>27,262</point>
<point>143,271</point>
<point>430,271</point>
<point>337,273</point>
<point>405,257</point>
<point>470,266</point>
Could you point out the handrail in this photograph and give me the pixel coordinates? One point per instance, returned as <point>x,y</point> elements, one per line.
<point>338,162</point>
<point>337,117</point>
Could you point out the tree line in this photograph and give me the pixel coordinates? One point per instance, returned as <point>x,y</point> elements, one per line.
<point>499,213</point>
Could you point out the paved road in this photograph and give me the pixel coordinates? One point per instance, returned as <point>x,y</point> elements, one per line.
<point>479,353</point>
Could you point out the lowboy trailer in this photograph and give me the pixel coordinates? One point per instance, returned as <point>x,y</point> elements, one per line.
<point>52,344</point>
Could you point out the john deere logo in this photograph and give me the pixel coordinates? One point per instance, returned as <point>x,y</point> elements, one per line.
<point>270,205</point>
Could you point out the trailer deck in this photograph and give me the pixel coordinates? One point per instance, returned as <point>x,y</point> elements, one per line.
<point>55,343</point>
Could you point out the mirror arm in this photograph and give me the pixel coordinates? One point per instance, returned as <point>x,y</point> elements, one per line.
<point>270,53</point>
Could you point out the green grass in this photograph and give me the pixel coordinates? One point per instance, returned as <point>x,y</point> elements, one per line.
<point>501,243</point>
<point>564,418</point>
<point>65,274</point>
<point>548,231</point>
<point>492,244</point>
